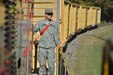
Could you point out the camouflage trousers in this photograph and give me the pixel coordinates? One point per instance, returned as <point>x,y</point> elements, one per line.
<point>49,54</point>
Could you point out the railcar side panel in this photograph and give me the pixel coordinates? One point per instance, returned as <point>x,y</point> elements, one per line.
<point>98,15</point>
<point>65,21</point>
<point>89,19</point>
<point>72,19</point>
<point>93,16</point>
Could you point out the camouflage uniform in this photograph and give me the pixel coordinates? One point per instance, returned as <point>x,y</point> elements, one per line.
<point>48,42</point>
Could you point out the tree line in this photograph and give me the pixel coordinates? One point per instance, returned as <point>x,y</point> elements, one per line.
<point>105,5</point>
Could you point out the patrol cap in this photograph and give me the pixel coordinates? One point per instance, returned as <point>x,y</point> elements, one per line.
<point>48,10</point>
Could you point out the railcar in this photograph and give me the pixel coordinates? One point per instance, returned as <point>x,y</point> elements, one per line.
<point>17,50</point>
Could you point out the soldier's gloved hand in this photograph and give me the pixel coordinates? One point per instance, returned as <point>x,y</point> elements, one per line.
<point>58,47</point>
<point>36,42</point>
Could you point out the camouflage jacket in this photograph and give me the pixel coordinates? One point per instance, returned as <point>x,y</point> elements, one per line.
<point>50,38</point>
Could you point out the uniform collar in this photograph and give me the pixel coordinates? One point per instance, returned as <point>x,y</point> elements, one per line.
<point>47,23</point>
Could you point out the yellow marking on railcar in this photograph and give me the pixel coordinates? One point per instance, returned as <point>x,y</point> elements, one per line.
<point>106,69</point>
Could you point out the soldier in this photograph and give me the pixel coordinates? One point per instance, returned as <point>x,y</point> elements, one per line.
<point>48,41</point>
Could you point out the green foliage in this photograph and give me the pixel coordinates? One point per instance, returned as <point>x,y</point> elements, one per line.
<point>77,1</point>
<point>0,2</point>
<point>106,7</point>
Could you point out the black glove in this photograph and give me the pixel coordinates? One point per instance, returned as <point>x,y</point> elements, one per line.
<point>36,42</point>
